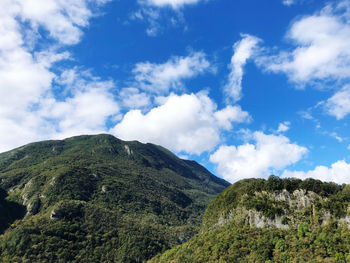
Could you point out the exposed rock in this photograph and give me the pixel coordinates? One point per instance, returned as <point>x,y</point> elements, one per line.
<point>296,202</point>
<point>53,214</point>
<point>53,181</point>
<point>128,150</point>
<point>27,185</point>
<point>33,206</point>
<point>253,218</point>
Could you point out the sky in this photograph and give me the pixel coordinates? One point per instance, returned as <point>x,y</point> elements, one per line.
<point>247,88</point>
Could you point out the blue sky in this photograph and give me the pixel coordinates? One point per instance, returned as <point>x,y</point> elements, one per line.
<point>246,88</point>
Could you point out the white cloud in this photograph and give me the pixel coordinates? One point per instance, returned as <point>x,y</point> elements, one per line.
<point>66,17</point>
<point>338,172</point>
<point>160,78</point>
<point>349,147</point>
<point>288,2</point>
<point>243,50</point>
<point>159,14</point>
<point>336,136</point>
<point>188,123</point>
<point>85,108</point>
<point>230,114</point>
<point>26,76</point>
<point>283,127</point>
<point>175,4</point>
<point>339,104</point>
<point>291,2</point>
<point>249,160</point>
<point>322,51</point>
<point>132,98</point>
<point>152,16</point>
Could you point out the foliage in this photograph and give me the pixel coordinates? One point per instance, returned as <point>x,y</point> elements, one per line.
<point>99,199</point>
<point>232,196</point>
<point>241,243</point>
<point>308,237</point>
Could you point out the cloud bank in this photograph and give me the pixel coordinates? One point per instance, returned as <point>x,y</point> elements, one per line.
<point>338,172</point>
<point>259,159</point>
<point>187,123</point>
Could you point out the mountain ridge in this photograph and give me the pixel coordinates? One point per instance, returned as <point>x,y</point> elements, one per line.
<point>274,220</point>
<point>68,185</point>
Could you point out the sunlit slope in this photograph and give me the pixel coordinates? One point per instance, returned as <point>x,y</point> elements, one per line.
<point>97,198</point>
<point>272,220</point>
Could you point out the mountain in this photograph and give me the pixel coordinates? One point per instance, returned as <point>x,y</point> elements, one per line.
<point>274,220</point>
<point>98,199</point>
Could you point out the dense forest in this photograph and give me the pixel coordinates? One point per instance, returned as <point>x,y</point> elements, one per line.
<point>274,220</point>
<point>98,199</point>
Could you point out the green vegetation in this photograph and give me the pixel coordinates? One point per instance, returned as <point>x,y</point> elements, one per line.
<point>232,196</point>
<point>98,199</point>
<point>300,221</point>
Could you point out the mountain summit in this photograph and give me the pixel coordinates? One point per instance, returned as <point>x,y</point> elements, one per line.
<point>98,198</point>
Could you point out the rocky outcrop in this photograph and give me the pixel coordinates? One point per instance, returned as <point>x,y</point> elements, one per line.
<point>33,206</point>
<point>297,204</point>
<point>128,150</point>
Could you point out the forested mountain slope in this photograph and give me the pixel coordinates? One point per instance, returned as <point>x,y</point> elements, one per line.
<point>274,220</point>
<point>98,199</point>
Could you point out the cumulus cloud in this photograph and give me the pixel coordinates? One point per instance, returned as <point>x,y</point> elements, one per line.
<point>258,159</point>
<point>188,123</point>
<point>243,50</point>
<point>338,172</point>
<point>85,109</point>
<point>26,75</point>
<point>339,104</point>
<point>321,52</point>
<point>160,78</point>
<point>66,18</point>
<point>321,56</point>
<point>132,98</point>
<point>175,4</point>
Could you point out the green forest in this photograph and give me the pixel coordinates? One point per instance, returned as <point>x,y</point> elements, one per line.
<point>316,232</point>
<point>98,199</point>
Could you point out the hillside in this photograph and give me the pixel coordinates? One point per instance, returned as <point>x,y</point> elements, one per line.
<point>274,220</point>
<point>98,199</point>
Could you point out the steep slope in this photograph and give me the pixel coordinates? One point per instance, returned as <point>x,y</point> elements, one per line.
<point>272,220</point>
<point>97,198</point>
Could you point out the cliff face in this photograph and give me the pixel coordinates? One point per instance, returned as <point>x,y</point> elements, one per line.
<point>274,220</point>
<point>291,210</point>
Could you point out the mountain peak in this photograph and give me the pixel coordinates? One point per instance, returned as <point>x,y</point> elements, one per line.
<point>74,182</point>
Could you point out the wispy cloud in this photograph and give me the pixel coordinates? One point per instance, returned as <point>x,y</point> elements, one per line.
<point>175,4</point>
<point>160,78</point>
<point>243,50</point>
<point>283,127</point>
